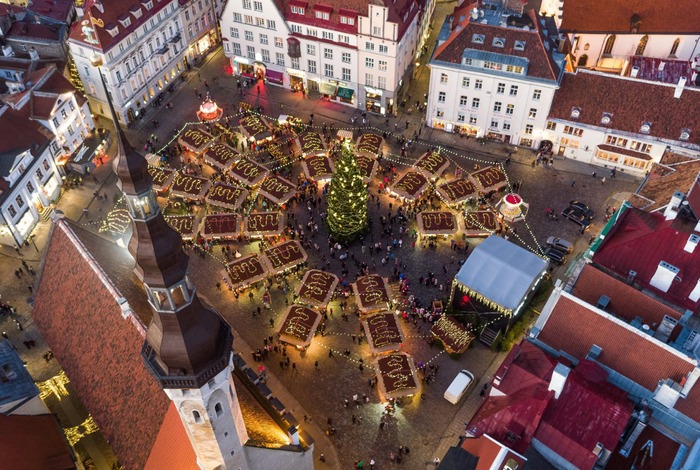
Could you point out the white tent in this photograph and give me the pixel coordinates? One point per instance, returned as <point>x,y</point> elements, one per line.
<point>501,272</point>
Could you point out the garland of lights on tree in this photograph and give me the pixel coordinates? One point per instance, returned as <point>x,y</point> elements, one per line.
<point>347,199</point>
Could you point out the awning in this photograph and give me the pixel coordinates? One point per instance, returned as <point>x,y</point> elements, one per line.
<point>346,93</point>
<point>328,88</point>
<point>273,76</point>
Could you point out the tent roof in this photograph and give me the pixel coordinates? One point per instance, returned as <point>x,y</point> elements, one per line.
<point>501,271</point>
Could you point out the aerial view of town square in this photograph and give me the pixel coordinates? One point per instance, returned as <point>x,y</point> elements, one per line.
<point>314,234</point>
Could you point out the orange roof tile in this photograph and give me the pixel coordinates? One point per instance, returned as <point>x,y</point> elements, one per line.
<point>172,449</point>
<point>674,173</point>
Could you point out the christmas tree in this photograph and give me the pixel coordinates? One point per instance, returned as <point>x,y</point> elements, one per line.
<point>347,199</point>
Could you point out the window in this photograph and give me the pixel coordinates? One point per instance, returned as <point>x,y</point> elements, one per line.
<point>575,131</point>
<point>265,55</point>
<point>251,52</point>
<point>377,31</point>
<point>369,62</point>
<point>583,60</point>
<point>39,174</point>
<point>258,22</point>
<point>532,114</point>
<point>237,49</point>
<point>70,127</point>
<point>519,45</point>
<point>642,45</point>
<point>369,79</point>
<point>296,28</point>
<point>674,48</point>
<point>257,6</point>
<point>463,100</point>
<point>295,63</point>
<point>497,107</point>
<point>327,53</point>
<point>514,90</point>
<point>30,187</point>
<point>501,88</point>
<point>473,119</point>
<point>369,46</point>
<point>312,32</point>
<point>468,61</point>
<point>441,97</point>
<point>328,35</point>
<point>264,40</point>
<point>279,58</point>
<point>494,124</point>
<point>310,49</point>
<point>346,74</point>
<point>346,57</point>
<point>478,38</point>
<point>197,417</point>
<point>218,409</point>
<point>478,84</point>
<point>19,201</point>
<point>618,141</point>
<point>492,65</point>
<point>514,69</point>
<point>298,10</point>
<point>55,122</point>
<point>536,95</point>
<point>551,126</point>
<point>510,109</point>
<point>381,82</point>
<point>383,49</point>
<point>234,33</point>
<point>506,126</point>
<point>248,19</point>
<point>440,112</point>
<point>247,4</point>
<point>475,103</point>
<point>344,38</point>
<point>528,129</point>
<point>609,44</point>
<point>382,65</point>
<point>312,66</point>
<point>498,42</point>
<point>461,117</point>
<point>443,78</point>
<point>271,24</point>
<point>248,36</point>
<point>11,210</point>
<point>328,70</point>
<point>279,42</point>
<point>640,147</point>
<point>465,82</point>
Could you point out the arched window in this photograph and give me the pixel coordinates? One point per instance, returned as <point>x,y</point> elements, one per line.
<point>197,417</point>
<point>642,45</point>
<point>583,60</point>
<point>609,43</point>
<point>674,48</point>
<point>218,409</point>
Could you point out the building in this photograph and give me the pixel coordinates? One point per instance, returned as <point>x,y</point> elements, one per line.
<point>603,34</point>
<point>494,73</point>
<point>141,45</point>
<point>674,173</point>
<point>357,54</point>
<point>200,25</point>
<point>28,35</point>
<point>621,122</point>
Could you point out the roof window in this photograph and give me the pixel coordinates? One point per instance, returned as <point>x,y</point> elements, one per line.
<point>646,127</point>
<point>575,113</point>
<point>125,21</point>
<point>136,12</point>
<point>148,4</point>
<point>606,119</point>
<point>519,45</point>
<point>112,29</point>
<point>498,42</point>
<point>685,134</point>
<point>478,38</point>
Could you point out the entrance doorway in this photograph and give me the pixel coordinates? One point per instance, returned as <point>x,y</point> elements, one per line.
<point>313,85</point>
<point>130,115</point>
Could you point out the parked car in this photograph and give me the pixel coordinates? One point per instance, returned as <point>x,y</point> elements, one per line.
<point>556,256</point>
<point>577,217</point>
<point>560,244</point>
<point>583,208</point>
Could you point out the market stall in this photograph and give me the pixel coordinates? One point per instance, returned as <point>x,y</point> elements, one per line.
<point>277,189</point>
<point>410,185</point>
<point>372,293</point>
<point>226,196</point>
<point>248,172</point>
<point>491,178</point>
<point>318,167</point>
<point>246,271</point>
<point>311,143</point>
<point>263,224</point>
<point>369,145</point>
<point>317,288</point>
<point>432,164</point>
<point>255,128</point>
<point>383,332</point>
<point>396,376</point>
<point>162,178</point>
<point>458,191</point>
<point>367,166</point>
<point>436,223</point>
<point>185,225</point>
<point>454,336</point>
<point>195,140</point>
<point>286,255</point>
<point>189,186</point>
<point>481,223</point>
<point>219,226</point>
<point>298,326</point>
<point>220,156</point>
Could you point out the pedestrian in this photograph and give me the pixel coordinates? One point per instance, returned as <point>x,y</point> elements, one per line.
<point>406,123</point>
<point>258,89</point>
<point>206,85</point>
<point>371,464</point>
<point>602,181</point>
<point>436,461</point>
<point>593,175</point>
<point>294,366</point>
<point>573,183</point>
<point>272,322</point>
<point>196,92</point>
<point>316,365</point>
<point>322,457</point>
<point>4,335</point>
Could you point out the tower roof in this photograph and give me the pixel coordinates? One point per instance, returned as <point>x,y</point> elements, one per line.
<point>157,249</point>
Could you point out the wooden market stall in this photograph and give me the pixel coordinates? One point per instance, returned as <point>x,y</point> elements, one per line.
<point>277,189</point>
<point>226,196</point>
<point>263,224</point>
<point>248,172</point>
<point>284,256</point>
<point>220,156</point>
<point>246,271</point>
<point>372,293</point>
<point>189,186</point>
<point>298,326</point>
<point>410,186</point>
<point>317,288</point>
<point>436,223</point>
<point>432,164</point>
<point>383,332</point>
<point>458,191</point>
<point>185,225</point>
<point>396,376</point>
<point>219,226</point>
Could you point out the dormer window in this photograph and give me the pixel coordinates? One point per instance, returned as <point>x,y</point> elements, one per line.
<point>323,15</point>
<point>685,134</point>
<point>298,10</point>
<point>125,21</point>
<point>112,29</point>
<point>575,113</point>
<point>136,11</point>
<point>646,127</point>
<point>519,45</point>
<point>606,119</point>
<point>478,38</point>
<point>498,42</point>
<point>148,5</point>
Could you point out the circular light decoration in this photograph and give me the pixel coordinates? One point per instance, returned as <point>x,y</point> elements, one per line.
<point>512,207</point>
<point>209,110</point>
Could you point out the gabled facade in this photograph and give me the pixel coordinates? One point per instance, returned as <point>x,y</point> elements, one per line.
<point>493,75</point>
<point>620,122</point>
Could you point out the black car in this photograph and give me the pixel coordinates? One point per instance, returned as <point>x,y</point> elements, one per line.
<point>555,256</point>
<point>577,217</point>
<point>583,208</point>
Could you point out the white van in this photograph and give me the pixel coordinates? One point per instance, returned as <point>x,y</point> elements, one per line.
<point>459,386</point>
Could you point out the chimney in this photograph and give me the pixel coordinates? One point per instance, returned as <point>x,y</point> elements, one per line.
<point>679,88</point>
<point>594,353</point>
<point>630,276</point>
<point>558,380</point>
<point>640,420</point>
<point>671,210</point>
<point>635,72</point>
<point>33,54</point>
<point>667,393</point>
<point>692,243</point>
<point>664,276</point>
<point>603,302</point>
<point>691,378</point>
<point>7,51</point>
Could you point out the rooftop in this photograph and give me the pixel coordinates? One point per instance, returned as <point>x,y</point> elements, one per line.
<point>55,9</point>
<point>35,31</point>
<point>16,383</point>
<point>659,69</point>
<point>620,16</point>
<point>631,103</point>
<point>673,173</point>
<point>34,442</point>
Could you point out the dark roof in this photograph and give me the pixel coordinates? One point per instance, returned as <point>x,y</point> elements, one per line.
<point>35,31</point>
<point>630,102</point>
<point>615,16</point>
<point>33,442</point>
<point>525,366</point>
<point>25,134</point>
<point>665,450</point>
<point>673,173</point>
<point>54,9</point>
<point>540,63</point>
<point>639,241</point>
<point>16,383</point>
<point>660,69</point>
<point>77,312</point>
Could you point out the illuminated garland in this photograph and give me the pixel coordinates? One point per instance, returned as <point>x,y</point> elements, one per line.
<point>76,433</point>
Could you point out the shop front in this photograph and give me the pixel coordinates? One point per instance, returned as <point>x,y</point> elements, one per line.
<point>346,95</point>
<point>273,76</point>
<point>465,129</point>
<point>26,223</point>
<point>296,80</point>
<point>328,90</point>
<point>373,100</point>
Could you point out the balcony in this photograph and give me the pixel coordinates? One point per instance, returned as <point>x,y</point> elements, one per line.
<point>163,49</point>
<point>175,38</point>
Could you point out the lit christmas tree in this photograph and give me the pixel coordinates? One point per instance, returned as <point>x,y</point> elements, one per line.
<point>347,199</point>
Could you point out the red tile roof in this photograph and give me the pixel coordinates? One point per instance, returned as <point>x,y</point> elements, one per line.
<point>34,442</point>
<point>35,31</point>
<point>626,302</point>
<point>77,312</point>
<point>693,197</point>
<point>541,64</point>
<point>631,102</point>
<point>588,411</point>
<point>525,366</point>
<point>55,9</point>
<point>24,131</point>
<point>487,450</point>
<point>573,327</point>
<point>674,173</point>
<point>639,241</point>
<point>614,16</point>
<point>172,449</point>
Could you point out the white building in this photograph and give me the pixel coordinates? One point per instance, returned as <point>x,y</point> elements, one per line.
<point>200,23</point>
<point>620,122</point>
<point>493,74</point>
<point>142,47</point>
<point>355,54</point>
<point>603,34</point>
